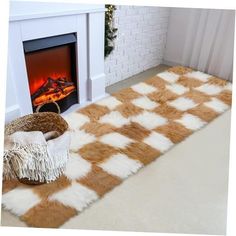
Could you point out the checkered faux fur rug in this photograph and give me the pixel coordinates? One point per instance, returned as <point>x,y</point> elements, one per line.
<point>114,137</point>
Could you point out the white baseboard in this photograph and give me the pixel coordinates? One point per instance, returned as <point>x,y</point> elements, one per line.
<point>96,87</point>
<point>12,113</point>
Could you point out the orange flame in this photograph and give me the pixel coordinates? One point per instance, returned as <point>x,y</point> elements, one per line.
<point>54,93</point>
<point>36,83</point>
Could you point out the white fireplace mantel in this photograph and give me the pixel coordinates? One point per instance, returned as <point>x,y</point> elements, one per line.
<point>33,20</point>
<point>34,10</point>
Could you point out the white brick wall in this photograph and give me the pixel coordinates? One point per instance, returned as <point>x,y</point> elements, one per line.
<point>140,41</point>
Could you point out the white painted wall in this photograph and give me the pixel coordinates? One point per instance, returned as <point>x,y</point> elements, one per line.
<point>140,41</point>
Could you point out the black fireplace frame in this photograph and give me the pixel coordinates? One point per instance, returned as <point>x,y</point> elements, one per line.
<point>52,42</point>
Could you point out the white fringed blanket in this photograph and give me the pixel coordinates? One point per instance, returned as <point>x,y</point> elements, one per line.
<point>30,155</point>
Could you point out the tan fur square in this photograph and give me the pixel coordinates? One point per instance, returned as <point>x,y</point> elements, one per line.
<point>96,152</point>
<point>134,131</point>
<point>174,131</point>
<point>197,96</point>
<point>142,152</point>
<point>217,81</point>
<point>45,190</point>
<point>168,112</point>
<point>225,96</point>
<point>125,95</point>
<point>98,129</point>
<point>156,82</point>
<point>8,185</point>
<point>189,82</point>
<point>128,109</point>
<point>180,70</point>
<point>48,214</point>
<point>94,111</point>
<point>203,112</point>
<point>162,96</point>
<point>99,180</point>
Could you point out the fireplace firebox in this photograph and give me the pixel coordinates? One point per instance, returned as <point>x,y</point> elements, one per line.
<point>52,72</point>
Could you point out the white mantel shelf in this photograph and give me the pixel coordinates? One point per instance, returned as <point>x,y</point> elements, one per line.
<point>31,10</point>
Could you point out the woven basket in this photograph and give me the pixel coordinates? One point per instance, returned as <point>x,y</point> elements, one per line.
<point>44,121</point>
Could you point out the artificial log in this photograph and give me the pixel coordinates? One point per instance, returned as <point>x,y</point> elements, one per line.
<point>52,90</point>
<point>59,85</point>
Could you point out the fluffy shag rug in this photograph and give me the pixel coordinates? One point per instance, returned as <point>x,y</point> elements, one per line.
<point>116,136</point>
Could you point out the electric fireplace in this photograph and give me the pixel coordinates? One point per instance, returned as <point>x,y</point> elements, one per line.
<point>51,69</point>
<point>55,54</point>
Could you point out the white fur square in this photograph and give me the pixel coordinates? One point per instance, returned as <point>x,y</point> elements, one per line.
<point>149,120</point>
<point>20,200</point>
<point>145,103</point>
<point>209,89</point>
<point>217,105</point>
<point>191,122</point>
<point>110,102</point>
<point>177,88</point>
<point>228,86</point>
<point>116,140</point>
<point>182,104</point>
<point>76,196</point>
<point>121,165</point>
<point>114,118</point>
<point>168,76</point>
<point>75,120</point>
<point>143,88</point>
<point>198,75</point>
<point>76,167</point>
<point>79,138</point>
<point>158,141</point>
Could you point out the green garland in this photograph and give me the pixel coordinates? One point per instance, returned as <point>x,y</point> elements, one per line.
<point>110,31</point>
